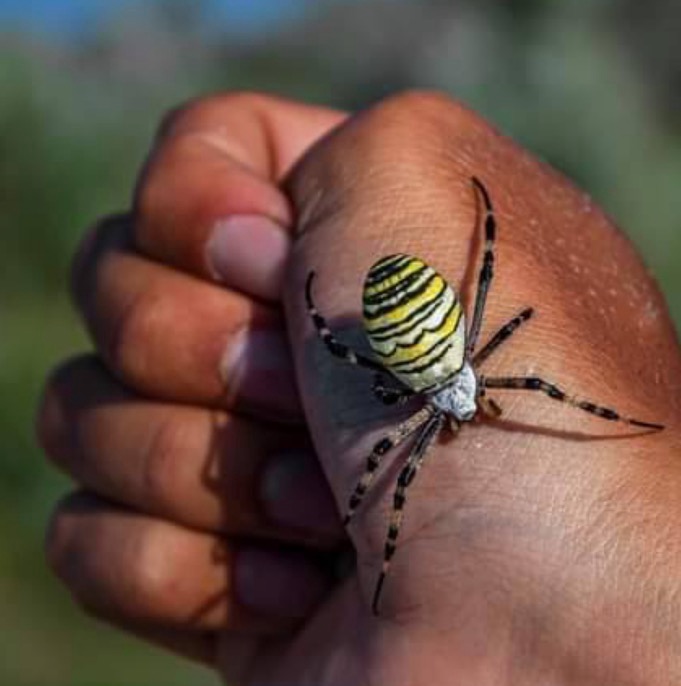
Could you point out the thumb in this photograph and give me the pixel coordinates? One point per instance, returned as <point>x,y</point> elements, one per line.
<point>397,179</point>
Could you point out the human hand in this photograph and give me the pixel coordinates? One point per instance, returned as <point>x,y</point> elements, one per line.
<point>201,505</point>
<point>534,546</point>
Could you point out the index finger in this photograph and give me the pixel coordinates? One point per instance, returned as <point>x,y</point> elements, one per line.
<point>208,201</point>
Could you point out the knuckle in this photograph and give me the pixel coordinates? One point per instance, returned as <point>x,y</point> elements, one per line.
<point>203,147</point>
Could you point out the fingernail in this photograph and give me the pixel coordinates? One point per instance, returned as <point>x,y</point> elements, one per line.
<point>294,493</point>
<point>258,367</point>
<point>249,252</point>
<point>279,583</point>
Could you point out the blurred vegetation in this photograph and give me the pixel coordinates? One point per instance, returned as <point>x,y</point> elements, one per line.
<point>594,87</point>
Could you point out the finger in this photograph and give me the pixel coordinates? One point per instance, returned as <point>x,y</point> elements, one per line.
<point>172,336</point>
<point>208,202</point>
<point>212,471</point>
<point>135,570</point>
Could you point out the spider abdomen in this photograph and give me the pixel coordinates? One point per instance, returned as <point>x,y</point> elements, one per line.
<point>414,321</point>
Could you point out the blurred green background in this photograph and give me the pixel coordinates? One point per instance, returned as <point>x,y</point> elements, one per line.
<point>592,86</point>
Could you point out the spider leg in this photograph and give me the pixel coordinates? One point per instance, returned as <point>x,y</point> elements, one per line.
<point>416,458</point>
<point>333,345</point>
<point>487,268</point>
<point>533,383</point>
<point>504,333</point>
<point>489,407</point>
<point>384,445</point>
<point>390,395</point>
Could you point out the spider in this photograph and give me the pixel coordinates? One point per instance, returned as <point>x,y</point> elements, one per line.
<point>415,326</point>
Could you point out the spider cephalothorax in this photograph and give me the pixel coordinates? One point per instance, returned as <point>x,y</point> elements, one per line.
<point>415,325</point>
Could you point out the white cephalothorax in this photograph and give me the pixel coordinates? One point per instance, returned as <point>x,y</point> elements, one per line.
<point>459,396</point>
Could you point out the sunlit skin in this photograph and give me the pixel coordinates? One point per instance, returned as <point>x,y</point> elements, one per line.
<point>538,548</point>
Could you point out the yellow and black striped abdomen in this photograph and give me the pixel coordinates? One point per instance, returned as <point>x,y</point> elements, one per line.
<point>414,321</point>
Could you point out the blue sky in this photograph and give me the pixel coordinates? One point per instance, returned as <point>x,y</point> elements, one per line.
<point>75,16</point>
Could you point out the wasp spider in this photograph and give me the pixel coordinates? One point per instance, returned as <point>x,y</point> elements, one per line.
<point>416,328</point>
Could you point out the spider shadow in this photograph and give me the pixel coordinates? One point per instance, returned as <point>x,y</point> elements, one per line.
<point>218,473</point>
<point>344,389</point>
<point>213,477</point>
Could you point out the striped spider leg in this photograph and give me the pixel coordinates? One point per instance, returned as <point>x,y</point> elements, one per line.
<point>429,432</point>
<point>484,282</point>
<point>418,421</point>
<point>502,335</point>
<point>333,345</point>
<point>533,383</point>
<point>486,270</point>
